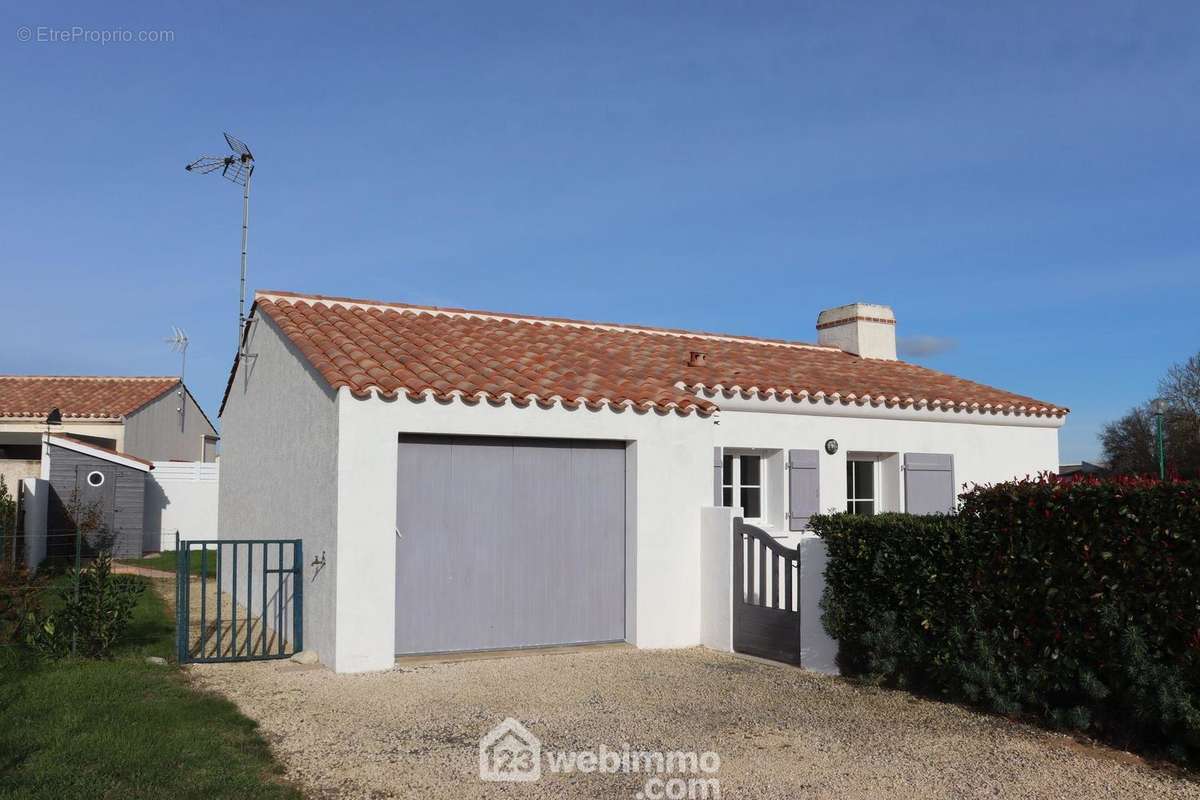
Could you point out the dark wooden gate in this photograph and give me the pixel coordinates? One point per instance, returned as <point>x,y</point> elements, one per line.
<point>766,595</point>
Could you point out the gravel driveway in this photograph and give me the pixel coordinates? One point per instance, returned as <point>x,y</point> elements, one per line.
<point>780,732</point>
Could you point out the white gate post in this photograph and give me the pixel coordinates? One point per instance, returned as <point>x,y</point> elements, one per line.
<point>716,578</point>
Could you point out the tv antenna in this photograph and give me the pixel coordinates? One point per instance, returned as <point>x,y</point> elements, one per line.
<point>178,342</point>
<point>237,168</point>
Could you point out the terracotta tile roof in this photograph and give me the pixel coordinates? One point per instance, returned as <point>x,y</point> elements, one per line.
<point>79,396</point>
<point>390,348</point>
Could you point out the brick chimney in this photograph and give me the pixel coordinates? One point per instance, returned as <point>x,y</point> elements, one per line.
<point>860,328</point>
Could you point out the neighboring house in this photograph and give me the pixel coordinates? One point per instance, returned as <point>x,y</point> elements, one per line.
<point>472,480</point>
<point>153,418</point>
<point>1082,468</point>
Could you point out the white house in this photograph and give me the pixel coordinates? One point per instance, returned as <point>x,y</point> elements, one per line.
<point>472,480</point>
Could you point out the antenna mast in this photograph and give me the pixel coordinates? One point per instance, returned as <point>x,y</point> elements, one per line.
<point>237,168</point>
<point>178,342</point>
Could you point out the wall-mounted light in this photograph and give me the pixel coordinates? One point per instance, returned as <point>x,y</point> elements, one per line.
<point>831,446</point>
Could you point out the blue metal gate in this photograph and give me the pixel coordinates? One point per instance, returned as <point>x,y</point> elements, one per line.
<point>238,599</point>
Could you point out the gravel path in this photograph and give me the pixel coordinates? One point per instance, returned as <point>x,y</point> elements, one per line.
<point>780,732</point>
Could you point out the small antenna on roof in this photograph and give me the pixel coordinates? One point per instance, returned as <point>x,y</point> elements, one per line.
<point>237,168</point>
<point>178,342</point>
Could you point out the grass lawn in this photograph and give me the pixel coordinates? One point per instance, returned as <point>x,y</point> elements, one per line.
<point>123,728</point>
<point>166,561</point>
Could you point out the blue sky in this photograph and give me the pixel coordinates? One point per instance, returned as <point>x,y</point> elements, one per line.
<point>1021,182</point>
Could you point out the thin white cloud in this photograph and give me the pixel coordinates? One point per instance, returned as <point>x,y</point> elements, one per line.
<point>923,346</point>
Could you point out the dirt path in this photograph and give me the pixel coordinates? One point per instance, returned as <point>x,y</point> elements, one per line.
<point>779,732</point>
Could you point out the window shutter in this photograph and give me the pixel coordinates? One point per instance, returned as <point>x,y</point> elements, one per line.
<point>928,483</point>
<point>804,492</point>
<point>717,476</point>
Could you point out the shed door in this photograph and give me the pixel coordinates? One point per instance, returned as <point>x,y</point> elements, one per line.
<point>508,543</point>
<point>94,500</point>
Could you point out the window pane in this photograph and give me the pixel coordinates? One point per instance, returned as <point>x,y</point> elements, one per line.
<point>727,496</point>
<point>727,471</point>
<point>751,470</point>
<point>849,482</point>
<point>752,502</point>
<point>862,508</point>
<point>864,480</point>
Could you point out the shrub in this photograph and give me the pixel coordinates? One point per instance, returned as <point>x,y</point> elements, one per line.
<point>89,621</point>
<point>20,599</point>
<point>1078,602</point>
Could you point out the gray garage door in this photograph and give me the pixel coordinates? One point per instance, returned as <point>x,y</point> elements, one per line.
<point>508,543</point>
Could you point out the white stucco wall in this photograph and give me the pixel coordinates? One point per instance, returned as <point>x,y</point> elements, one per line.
<point>14,470</point>
<point>180,497</point>
<point>278,468</point>
<point>984,452</point>
<point>30,431</point>
<point>669,463</point>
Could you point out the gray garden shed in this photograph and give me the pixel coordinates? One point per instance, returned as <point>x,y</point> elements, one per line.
<point>112,484</point>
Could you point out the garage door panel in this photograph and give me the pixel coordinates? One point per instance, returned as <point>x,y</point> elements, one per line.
<point>509,543</point>
<point>604,472</point>
<point>428,472</point>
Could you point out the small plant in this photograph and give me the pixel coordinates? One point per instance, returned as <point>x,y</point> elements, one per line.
<point>8,512</point>
<point>90,523</point>
<point>97,607</point>
<point>20,598</point>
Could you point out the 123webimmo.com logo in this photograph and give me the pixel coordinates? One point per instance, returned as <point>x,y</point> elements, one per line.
<point>510,752</point>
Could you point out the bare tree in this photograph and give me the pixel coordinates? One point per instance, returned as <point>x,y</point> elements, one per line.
<point>1130,444</point>
<point>1181,387</point>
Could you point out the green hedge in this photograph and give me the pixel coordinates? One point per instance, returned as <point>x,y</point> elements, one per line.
<point>1078,602</point>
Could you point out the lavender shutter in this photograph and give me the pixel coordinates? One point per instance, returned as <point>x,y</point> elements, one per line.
<point>717,476</point>
<point>804,491</point>
<point>928,483</point>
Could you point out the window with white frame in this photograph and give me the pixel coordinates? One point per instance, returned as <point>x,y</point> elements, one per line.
<point>861,487</point>
<point>742,483</point>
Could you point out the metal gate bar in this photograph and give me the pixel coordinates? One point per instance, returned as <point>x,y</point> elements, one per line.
<point>208,643</point>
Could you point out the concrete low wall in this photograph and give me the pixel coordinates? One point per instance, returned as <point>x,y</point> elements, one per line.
<point>180,496</point>
<point>716,578</point>
<point>15,470</point>
<point>36,500</point>
<point>818,651</point>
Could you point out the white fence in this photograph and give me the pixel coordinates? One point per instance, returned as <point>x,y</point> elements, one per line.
<point>180,496</point>
<point>35,501</point>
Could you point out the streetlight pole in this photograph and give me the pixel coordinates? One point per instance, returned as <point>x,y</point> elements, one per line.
<point>1160,409</point>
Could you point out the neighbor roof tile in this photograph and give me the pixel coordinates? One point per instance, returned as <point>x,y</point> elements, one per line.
<point>78,396</point>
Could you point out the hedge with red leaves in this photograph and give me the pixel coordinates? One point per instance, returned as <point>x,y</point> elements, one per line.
<point>1078,602</point>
